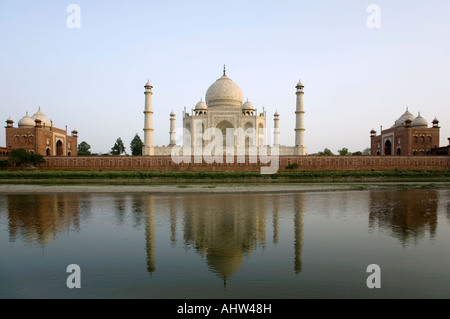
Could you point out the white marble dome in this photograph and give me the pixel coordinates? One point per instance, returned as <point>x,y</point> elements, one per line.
<point>44,119</point>
<point>201,106</point>
<point>419,121</point>
<point>224,92</point>
<point>406,116</point>
<point>26,121</point>
<point>248,106</point>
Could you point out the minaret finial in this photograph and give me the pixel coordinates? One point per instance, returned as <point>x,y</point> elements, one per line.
<point>224,70</point>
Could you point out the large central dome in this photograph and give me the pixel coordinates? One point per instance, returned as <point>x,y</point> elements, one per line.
<point>224,92</point>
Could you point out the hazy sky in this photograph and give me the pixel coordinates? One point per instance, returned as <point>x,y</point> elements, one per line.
<point>356,78</point>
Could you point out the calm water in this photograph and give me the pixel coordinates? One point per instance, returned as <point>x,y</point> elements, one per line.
<point>307,245</point>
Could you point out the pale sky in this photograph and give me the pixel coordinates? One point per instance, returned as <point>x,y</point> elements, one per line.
<point>356,78</point>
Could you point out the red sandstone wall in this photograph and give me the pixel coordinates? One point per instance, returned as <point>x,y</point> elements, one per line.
<point>306,163</point>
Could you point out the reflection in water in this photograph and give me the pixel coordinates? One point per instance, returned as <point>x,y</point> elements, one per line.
<point>299,211</point>
<point>40,217</point>
<point>406,215</point>
<point>149,204</point>
<point>224,229</point>
<point>120,206</point>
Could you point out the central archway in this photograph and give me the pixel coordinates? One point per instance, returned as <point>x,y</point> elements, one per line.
<point>223,126</point>
<point>388,148</point>
<point>59,149</point>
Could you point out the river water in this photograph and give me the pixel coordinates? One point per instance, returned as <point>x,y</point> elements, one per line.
<point>280,246</point>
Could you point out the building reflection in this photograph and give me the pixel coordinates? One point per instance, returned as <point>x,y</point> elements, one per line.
<point>406,215</point>
<point>224,229</point>
<point>149,204</point>
<point>299,212</point>
<point>39,218</point>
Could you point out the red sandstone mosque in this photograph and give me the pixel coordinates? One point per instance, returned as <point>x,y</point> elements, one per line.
<point>409,136</point>
<point>37,135</point>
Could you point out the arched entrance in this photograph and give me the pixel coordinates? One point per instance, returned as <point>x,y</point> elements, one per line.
<point>223,126</point>
<point>388,148</point>
<point>399,151</point>
<point>47,152</point>
<point>59,149</point>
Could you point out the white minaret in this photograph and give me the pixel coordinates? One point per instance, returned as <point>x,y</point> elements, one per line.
<point>300,148</point>
<point>173,140</point>
<point>276,130</point>
<point>148,125</point>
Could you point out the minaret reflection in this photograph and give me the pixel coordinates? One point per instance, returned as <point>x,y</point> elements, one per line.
<point>275,217</point>
<point>406,215</point>
<point>173,221</point>
<point>224,229</point>
<point>149,208</point>
<point>299,213</point>
<point>40,217</point>
<point>120,203</point>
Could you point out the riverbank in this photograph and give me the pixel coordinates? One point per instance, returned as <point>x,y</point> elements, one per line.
<point>216,188</point>
<point>146,177</point>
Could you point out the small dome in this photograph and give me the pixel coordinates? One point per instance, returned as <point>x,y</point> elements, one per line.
<point>248,106</point>
<point>26,121</point>
<point>419,121</point>
<point>201,106</point>
<point>276,114</point>
<point>402,120</point>
<point>435,121</point>
<point>224,92</point>
<point>172,114</point>
<point>41,116</point>
<point>299,84</point>
<point>148,84</point>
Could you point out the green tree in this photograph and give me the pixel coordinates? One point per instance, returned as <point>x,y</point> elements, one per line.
<point>84,148</point>
<point>344,151</point>
<point>20,156</point>
<point>358,153</point>
<point>118,148</point>
<point>366,151</point>
<point>136,145</point>
<point>326,151</point>
<point>36,159</point>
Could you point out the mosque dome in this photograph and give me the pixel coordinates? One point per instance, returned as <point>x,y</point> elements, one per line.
<point>402,120</point>
<point>224,92</point>
<point>419,121</point>
<point>41,116</point>
<point>201,106</point>
<point>26,121</point>
<point>248,106</point>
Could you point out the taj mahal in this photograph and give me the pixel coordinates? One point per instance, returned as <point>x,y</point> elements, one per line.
<point>239,125</point>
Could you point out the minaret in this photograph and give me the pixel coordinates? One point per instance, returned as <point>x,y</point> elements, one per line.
<point>300,148</point>
<point>173,141</point>
<point>9,122</point>
<point>276,130</point>
<point>148,125</point>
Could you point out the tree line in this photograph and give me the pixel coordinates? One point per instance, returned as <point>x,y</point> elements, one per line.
<point>344,152</point>
<point>119,148</point>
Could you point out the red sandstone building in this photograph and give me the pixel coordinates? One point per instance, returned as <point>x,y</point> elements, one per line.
<point>37,135</point>
<point>409,136</point>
